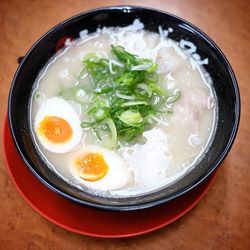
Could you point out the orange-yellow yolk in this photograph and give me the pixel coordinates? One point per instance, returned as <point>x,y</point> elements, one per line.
<point>55,129</point>
<point>92,166</point>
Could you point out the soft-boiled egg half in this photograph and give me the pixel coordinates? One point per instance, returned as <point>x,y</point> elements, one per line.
<point>99,168</point>
<point>57,125</point>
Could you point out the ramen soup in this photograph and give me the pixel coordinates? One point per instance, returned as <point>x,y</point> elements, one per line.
<point>123,111</point>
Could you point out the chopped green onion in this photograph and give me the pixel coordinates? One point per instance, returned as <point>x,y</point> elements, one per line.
<point>141,67</point>
<point>87,124</point>
<point>127,104</point>
<point>146,88</point>
<point>173,98</point>
<point>124,97</point>
<point>100,114</point>
<point>103,89</point>
<point>152,68</point>
<point>131,118</point>
<point>108,141</point>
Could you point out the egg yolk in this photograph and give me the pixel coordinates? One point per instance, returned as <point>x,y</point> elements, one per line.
<point>55,129</point>
<point>92,166</point>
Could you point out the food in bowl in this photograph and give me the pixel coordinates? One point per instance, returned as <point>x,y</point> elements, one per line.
<point>191,41</point>
<point>123,111</point>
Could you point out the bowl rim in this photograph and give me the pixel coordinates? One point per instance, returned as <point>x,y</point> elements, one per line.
<point>181,192</point>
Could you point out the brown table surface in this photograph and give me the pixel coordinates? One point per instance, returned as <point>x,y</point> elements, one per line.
<point>222,219</point>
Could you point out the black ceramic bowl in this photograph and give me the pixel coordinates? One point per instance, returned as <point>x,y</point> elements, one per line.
<point>225,87</point>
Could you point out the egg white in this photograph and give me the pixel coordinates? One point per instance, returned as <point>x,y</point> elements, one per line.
<point>59,107</point>
<point>117,176</point>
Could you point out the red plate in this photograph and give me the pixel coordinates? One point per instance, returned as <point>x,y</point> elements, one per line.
<point>89,221</point>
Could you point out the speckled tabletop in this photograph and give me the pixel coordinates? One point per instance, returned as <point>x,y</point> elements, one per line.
<point>222,219</point>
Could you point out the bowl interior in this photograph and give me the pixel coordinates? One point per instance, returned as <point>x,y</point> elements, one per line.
<point>224,83</point>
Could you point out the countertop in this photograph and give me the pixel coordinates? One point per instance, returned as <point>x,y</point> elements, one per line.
<point>222,219</point>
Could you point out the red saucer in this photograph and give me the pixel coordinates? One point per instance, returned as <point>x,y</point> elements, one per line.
<point>89,221</point>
